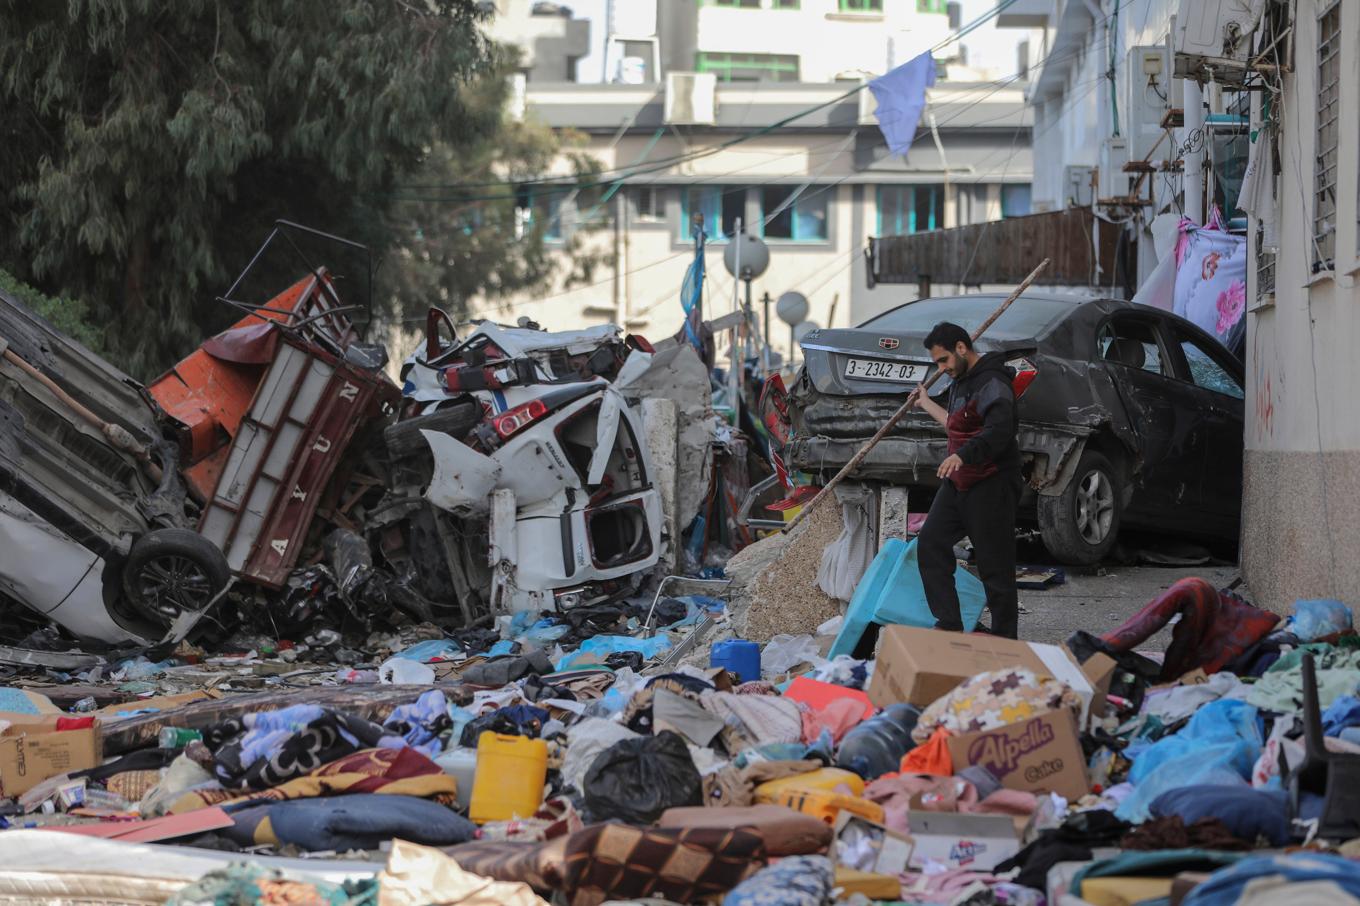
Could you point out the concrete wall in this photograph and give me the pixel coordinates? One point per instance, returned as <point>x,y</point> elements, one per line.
<point>1301,506</point>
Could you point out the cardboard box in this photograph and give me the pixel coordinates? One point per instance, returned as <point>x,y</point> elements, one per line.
<point>1039,755</point>
<point>1099,669</point>
<point>889,852</point>
<point>33,750</point>
<point>918,666</point>
<point>125,710</point>
<point>957,840</point>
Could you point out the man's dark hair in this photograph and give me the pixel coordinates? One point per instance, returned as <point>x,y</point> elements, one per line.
<point>947,334</point>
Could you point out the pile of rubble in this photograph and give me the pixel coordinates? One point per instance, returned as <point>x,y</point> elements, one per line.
<point>278,480</point>
<point>285,630</point>
<point>579,761</point>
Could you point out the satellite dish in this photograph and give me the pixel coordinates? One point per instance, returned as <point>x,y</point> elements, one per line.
<point>803,329</point>
<point>755,256</point>
<point>792,308</point>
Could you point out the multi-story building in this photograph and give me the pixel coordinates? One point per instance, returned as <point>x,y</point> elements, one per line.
<point>1301,506</point>
<point>786,142</point>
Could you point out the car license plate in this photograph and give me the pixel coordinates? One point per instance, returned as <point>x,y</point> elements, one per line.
<point>879,370</point>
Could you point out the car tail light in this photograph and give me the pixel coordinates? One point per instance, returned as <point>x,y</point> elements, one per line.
<point>1025,373</point>
<point>518,418</point>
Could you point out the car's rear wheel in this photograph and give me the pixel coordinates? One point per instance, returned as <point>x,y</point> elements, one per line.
<point>171,571</point>
<point>1080,526</point>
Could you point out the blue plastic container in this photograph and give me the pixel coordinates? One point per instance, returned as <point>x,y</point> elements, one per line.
<point>737,656</point>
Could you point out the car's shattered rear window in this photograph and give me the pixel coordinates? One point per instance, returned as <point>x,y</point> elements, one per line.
<point>1025,318</point>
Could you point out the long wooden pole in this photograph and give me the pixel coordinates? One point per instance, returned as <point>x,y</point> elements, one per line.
<point>906,406</point>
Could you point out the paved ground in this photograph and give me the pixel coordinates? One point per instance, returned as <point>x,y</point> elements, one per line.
<point>1101,600</point>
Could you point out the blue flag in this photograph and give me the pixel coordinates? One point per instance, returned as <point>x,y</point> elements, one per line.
<point>692,292</point>
<point>901,96</point>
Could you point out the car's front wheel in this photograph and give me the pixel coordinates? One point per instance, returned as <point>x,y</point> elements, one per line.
<point>170,571</point>
<point>1080,526</point>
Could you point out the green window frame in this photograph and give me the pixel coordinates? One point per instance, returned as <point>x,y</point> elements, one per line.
<point>861,6</point>
<point>720,205</point>
<point>540,206</point>
<point>806,220</point>
<point>748,67</point>
<point>752,4</point>
<point>932,6</point>
<point>904,209</point>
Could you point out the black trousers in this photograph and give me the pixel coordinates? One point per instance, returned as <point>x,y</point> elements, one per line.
<point>986,514</point>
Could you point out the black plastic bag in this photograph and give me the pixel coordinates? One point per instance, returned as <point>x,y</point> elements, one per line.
<point>635,780</point>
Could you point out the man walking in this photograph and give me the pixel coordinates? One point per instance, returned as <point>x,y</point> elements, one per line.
<point>980,480</point>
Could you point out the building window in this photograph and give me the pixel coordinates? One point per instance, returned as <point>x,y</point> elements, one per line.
<point>539,209</point>
<point>1015,200</point>
<point>749,67</point>
<point>1265,269</point>
<point>861,6</point>
<point>909,209</point>
<point>932,6</point>
<point>649,204</point>
<point>754,4</point>
<point>786,4</point>
<point>802,220</point>
<point>1327,137</point>
<point>742,4</point>
<point>721,206</point>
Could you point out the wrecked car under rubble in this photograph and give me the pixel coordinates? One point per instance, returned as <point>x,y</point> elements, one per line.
<point>124,508</point>
<point>521,477</point>
<point>95,521</point>
<point>1129,416</point>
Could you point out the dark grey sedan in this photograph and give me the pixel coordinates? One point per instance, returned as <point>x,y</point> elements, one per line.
<point>1129,416</point>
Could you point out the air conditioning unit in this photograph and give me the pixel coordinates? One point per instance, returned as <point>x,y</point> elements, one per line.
<point>1077,189</point>
<point>1214,31</point>
<point>691,99</point>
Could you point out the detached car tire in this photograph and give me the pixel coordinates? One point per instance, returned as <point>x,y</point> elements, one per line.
<point>1080,526</point>
<point>171,570</point>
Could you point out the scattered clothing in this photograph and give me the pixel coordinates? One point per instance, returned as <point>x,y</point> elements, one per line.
<point>1214,627</point>
<point>1280,689</point>
<point>994,699</point>
<point>795,881</point>
<point>931,757</point>
<point>341,823</point>
<point>269,748</point>
<point>386,771</point>
<point>1282,876</point>
<point>1247,813</point>
<point>1173,833</point>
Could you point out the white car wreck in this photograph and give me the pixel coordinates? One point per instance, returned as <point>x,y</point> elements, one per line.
<point>524,445</point>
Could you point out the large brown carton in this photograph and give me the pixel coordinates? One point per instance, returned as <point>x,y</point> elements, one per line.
<point>34,749</point>
<point>1039,755</point>
<point>918,666</point>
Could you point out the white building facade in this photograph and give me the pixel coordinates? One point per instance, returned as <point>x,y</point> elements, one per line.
<point>718,77</point>
<point>1302,497</point>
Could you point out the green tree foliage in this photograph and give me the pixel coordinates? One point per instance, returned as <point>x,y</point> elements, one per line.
<point>453,221</point>
<point>149,146</point>
<point>70,316</point>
